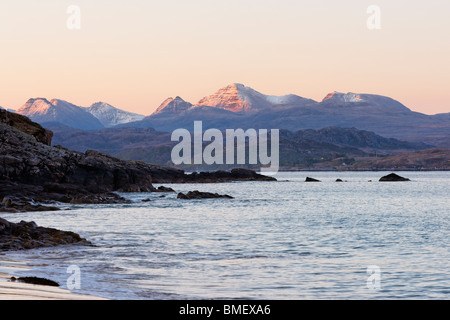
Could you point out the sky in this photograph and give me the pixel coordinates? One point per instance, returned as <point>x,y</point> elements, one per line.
<point>134,54</point>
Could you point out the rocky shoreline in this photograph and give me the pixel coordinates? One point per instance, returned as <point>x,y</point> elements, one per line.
<point>34,176</point>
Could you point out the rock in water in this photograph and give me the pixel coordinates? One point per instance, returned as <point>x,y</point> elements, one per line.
<point>37,281</point>
<point>28,235</point>
<point>201,195</point>
<point>308,179</point>
<point>393,177</point>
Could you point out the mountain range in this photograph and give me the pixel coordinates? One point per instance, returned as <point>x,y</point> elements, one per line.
<point>238,106</point>
<point>342,130</point>
<point>59,112</point>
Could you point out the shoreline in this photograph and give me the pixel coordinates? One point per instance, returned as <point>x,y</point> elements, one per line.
<point>23,291</point>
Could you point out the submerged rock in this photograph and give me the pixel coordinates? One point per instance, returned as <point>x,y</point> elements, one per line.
<point>201,195</point>
<point>393,177</point>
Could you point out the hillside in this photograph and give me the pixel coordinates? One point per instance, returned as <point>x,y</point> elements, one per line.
<point>301,148</point>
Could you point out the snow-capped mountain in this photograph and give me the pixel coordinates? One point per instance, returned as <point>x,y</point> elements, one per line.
<point>348,99</point>
<point>237,97</point>
<point>342,97</point>
<point>60,112</point>
<point>177,105</point>
<point>110,116</point>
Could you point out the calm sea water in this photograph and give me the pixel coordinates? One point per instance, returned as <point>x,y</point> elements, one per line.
<point>276,240</point>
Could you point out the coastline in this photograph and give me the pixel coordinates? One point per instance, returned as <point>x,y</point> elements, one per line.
<point>23,291</point>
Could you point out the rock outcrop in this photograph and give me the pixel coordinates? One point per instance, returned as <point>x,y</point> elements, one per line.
<point>28,235</point>
<point>32,169</point>
<point>309,179</point>
<point>170,175</point>
<point>27,126</point>
<point>202,195</point>
<point>393,177</point>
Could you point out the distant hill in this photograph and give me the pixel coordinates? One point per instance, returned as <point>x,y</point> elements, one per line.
<point>432,159</point>
<point>301,148</point>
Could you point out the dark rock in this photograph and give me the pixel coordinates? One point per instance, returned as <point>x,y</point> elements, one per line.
<point>393,177</point>
<point>164,189</point>
<point>146,200</point>
<point>23,204</point>
<point>339,180</point>
<point>182,196</point>
<point>28,235</point>
<point>308,179</point>
<point>27,126</point>
<point>4,224</point>
<point>37,281</point>
<point>169,175</point>
<point>201,195</point>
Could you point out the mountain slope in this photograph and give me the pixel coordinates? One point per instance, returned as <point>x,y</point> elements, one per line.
<point>371,100</point>
<point>171,105</point>
<point>42,111</point>
<point>296,148</point>
<point>110,116</point>
<point>237,97</point>
<point>353,137</point>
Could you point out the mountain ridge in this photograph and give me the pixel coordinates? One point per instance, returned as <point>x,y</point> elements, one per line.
<point>41,110</point>
<point>239,106</point>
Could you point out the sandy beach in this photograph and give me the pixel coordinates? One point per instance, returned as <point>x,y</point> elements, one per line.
<point>10,290</point>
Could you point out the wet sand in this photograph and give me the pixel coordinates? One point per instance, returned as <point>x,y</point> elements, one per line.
<point>23,291</point>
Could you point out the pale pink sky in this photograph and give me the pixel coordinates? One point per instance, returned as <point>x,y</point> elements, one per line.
<point>134,54</point>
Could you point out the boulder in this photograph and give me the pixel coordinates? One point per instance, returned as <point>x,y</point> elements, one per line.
<point>393,177</point>
<point>201,195</point>
<point>308,179</point>
<point>36,281</point>
<point>164,189</point>
<point>28,235</point>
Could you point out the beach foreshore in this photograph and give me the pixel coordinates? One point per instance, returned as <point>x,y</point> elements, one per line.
<point>14,290</point>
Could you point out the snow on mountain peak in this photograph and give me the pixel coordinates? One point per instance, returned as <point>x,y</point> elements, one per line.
<point>343,97</point>
<point>237,97</point>
<point>42,111</point>
<point>111,116</point>
<point>35,107</point>
<point>234,97</point>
